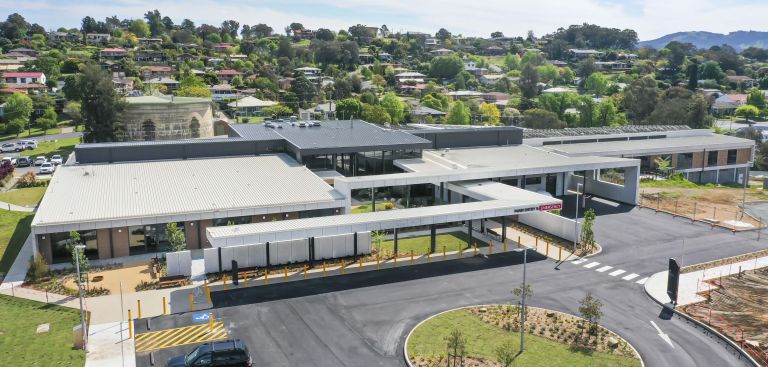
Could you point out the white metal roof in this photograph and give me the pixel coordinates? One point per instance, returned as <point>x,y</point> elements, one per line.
<point>652,146</point>
<point>246,234</point>
<point>115,195</point>
<point>251,101</point>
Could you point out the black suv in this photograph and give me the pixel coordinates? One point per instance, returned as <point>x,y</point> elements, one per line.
<point>226,353</point>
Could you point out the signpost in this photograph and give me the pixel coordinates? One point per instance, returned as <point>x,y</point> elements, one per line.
<point>673,280</point>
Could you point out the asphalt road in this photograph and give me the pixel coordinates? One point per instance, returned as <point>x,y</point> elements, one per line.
<point>362,319</point>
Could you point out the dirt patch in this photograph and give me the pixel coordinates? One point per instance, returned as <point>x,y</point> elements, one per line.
<point>111,279</point>
<point>726,261</point>
<point>736,307</point>
<point>420,361</point>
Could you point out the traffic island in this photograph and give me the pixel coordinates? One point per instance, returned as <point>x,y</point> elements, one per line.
<point>489,335</point>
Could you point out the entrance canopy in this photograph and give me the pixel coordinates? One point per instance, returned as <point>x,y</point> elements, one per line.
<point>381,220</point>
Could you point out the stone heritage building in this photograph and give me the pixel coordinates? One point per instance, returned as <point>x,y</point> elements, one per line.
<point>167,118</point>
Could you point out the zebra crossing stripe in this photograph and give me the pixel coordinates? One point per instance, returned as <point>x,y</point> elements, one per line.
<point>617,272</point>
<point>642,281</point>
<point>604,268</point>
<point>579,261</point>
<point>631,276</point>
<point>591,265</point>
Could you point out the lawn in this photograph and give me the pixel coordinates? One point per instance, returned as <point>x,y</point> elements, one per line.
<point>365,208</point>
<point>14,229</point>
<point>483,339</point>
<point>20,346</point>
<point>28,197</point>
<point>420,245</point>
<point>49,148</point>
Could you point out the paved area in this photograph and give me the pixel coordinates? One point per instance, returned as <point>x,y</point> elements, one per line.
<point>362,318</point>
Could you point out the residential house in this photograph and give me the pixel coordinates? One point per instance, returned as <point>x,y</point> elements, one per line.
<point>10,65</point>
<point>113,53</point>
<point>612,65</point>
<point>741,80</point>
<point>223,91</point>
<point>227,75</point>
<point>237,57</point>
<point>441,52</point>
<point>556,90</point>
<point>490,79</point>
<point>23,51</point>
<point>425,114</point>
<point>410,76</point>
<point>249,106</point>
<point>414,89</point>
<point>97,37</point>
<point>472,68</point>
<point>122,84</point>
<point>309,71</point>
<point>170,84</point>
<point>214,61</point>
<point>150,41</point>
<point>365,58</point>
<point>495,51</point>
<point>557,63</point>
<point>728,103</point>
<point>495,96</point>
<point>323,111</point>
<point>625,56</point>
<point>222,47</point>
<point>24,77</point>
<point>583,54</point>
<point>154,72</point>
<point>305,34</point>
<point>385,57</point>
<point>62,36</point>
<point>432,42</point>
<point>150,56</point>
<point>186,57</point>
<point>464,94</point>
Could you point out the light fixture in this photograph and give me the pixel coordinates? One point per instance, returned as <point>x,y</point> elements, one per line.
<point>119,230</point>
<point>43,237</point>
<point>191,224</point>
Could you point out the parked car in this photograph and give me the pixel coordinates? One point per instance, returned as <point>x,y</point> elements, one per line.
<point>9,147</point>
<point>28,144</point>
<point>10,160</point>
<point>23,162</point>
<point>47,167</point>
<point>57,160</point>
<point>229,353</point>
<point>40,160</point>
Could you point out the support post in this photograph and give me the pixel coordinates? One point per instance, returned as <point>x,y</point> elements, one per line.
<point>432,238</point>
<point>504,231</point>
<point>373,199</point>
<point>354,243</point>
<point>165,307</point>
<point>191,302</point>
<point>268,264</point>
<point>130,325</point>
<point>469,232</point>
<point>396,232</point>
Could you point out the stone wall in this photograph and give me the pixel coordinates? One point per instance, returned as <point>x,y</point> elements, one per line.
<point>168,121</point>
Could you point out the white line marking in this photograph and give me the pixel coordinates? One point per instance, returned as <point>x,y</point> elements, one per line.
<point>579,261</point>
<point>591,265</point>
<point>604,268</point>
<point>663,336</point>
<point>617,272</point>
<point>641,281</point>
<point>631,276</point>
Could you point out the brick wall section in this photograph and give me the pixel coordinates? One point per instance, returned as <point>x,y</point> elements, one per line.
<point>699,160</point>
<point>191,234</point>
<point>103,243</point>
<point>722,158</point>
<point>203,225</point>
<point>44,247</point>
<point>743,155</point>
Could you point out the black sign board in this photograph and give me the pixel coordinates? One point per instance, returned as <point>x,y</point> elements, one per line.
<point>673,279</point>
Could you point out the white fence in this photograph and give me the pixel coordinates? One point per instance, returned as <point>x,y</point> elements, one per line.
<point>286,252</point>
<point>550,223</point>
<point>179,263</point>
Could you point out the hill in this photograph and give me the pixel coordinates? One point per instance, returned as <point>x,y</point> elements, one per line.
<point>738,40</point>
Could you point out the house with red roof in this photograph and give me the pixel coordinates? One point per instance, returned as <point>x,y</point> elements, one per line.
<point>222,47</point>
<point>113,53</point>
<point>154,72</point>
<point>23,77</point>
<point>227,74</point>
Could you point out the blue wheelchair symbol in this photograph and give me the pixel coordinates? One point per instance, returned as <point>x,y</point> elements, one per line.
<point>200,317</point>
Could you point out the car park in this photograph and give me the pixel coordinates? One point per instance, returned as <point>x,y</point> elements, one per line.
<point>40,160</point>
<point>23,161</point>
<point>47,167</point>
<point>10,160</point>
<point>27,144</point>
<point>57,159</point>
<point>225,353</point>
<point>9,147</point>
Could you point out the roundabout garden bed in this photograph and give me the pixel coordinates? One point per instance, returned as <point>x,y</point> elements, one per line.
<point>491,334</point>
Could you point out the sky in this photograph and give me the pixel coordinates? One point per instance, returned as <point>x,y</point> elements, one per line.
<point>650,18</point>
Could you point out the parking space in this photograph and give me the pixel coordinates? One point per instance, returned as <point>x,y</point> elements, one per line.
<point>169,336</point>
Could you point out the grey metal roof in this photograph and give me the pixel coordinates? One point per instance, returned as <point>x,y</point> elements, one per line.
<point>652,146</point>
<point>123,194</point>
<point>340,136</point>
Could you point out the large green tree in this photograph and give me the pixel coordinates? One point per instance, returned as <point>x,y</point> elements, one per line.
<point>596,84</point>
<point>459,114</point>
<point>558,102</point>
<point>529,78</point>
<point>376,114</point>
<point>18,106</point>
<point>348,109</point>
<point>394,107</point>
<point>101,105</point>
<point>445,66</point>
<point>537,118</point>
<point>640,98</point>
<point>304,89</point>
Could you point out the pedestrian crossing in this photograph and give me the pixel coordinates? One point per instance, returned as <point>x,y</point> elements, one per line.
<point>587,263</point>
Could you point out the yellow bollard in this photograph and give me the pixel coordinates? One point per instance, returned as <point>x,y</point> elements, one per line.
<point>210,321</point>
<point>560,254</point>
<point>411,257</point>
<point>130,325</point>
<point>490,248</point>
<point>444,249</point>
<point>191,302</point>
<point>323,267</point>
<point>378,260</point>
<point>519,244</point>
<point>225,281</point>
<point>343,263</point>
<point>361,264</point>
<point>537,244</point>
<point>546,252</point>
<point>245,281</point>
<point>266,276</point>
<point>165,307</point>
<point>138,306</point>
<point>505,245</point>
<point>474,249</point>
<point>208,295</point>
<point>305,272</point>
<point>285,274</point>
<point>429,257</point>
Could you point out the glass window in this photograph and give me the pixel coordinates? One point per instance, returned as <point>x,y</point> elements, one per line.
<point>149,238</point>
<point>684,160</point>
<point>231,221</point>
<point>732,156</point>
<point>60,246</point>
<point>712,159</point>
<point>532,181</point>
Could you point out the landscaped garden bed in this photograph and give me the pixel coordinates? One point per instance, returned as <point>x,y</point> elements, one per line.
<point>491,333</point>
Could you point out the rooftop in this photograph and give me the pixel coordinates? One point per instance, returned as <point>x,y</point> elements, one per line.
<point>165,99</point>
<point>651,146</point>
<point>77,194</point>
<point>605,130</point>
<point>251,102</point>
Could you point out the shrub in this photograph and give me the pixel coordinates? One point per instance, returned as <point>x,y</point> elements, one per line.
<point>388,206</point>
<point>30,180</point>
<point>38,268</point>
<point>145,286</point>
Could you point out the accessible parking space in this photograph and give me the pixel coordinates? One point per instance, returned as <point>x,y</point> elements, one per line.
<point>169,336</point>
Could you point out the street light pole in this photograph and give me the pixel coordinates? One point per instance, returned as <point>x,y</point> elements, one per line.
<point>80,292</point>
<point>576,219</point>
<point>522,318</point>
